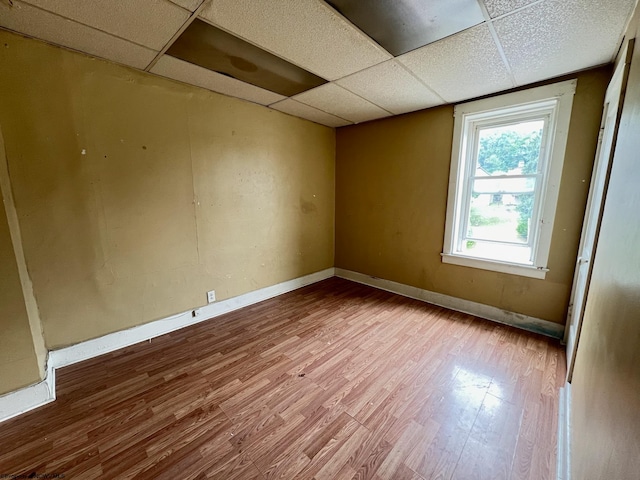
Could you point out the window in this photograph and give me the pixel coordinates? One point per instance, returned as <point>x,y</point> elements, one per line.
<point>505,173</point>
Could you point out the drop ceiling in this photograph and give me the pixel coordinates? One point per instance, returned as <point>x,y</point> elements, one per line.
<point>341,61</point>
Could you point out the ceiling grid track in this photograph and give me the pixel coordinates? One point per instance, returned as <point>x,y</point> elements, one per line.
<point>496,39</point>
<point>359,96</point>
<point>185,25</point>
<point>401,65</point>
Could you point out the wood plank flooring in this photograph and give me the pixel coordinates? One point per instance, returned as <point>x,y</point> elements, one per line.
<point>333,381</point>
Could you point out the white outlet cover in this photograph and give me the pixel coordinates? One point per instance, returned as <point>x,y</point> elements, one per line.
<point>211,296</point>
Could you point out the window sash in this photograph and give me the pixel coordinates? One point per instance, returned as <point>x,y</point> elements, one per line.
<point>514,107</point>
<point>471,137</point>
<point>492,177</point>
<point>501,242</point>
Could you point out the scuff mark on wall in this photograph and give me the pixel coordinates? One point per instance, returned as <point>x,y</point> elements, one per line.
<point>307,206</point>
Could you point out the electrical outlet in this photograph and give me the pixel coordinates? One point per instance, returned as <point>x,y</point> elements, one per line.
<point>211,296</point>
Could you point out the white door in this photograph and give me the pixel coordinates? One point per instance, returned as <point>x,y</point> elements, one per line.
<point>595,205</point>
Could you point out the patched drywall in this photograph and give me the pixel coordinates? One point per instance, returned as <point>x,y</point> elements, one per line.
<point>391,197</point>
<point>135,195</point>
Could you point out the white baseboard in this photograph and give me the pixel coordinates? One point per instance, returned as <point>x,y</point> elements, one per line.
<point>21,401</point>
<point>532,324</point>
<point>124,338</point>
<point>563,471</point>
<point>33,396</point>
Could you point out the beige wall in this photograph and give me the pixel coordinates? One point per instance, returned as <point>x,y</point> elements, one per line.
<point>18,361</point>
<point>135,195</point>
<point>606,380</point>
<point>391,195</point>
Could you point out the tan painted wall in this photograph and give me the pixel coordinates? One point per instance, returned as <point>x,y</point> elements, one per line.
<point>136,195</point>
<point>606,380</point>
<point>391,195</point>
<point>18,361</point>
<point>30,304</point>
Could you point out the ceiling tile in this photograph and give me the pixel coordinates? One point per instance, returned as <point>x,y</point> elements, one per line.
<point>306,32</point>
<point>335,100</point>
<point>214,49</point>
<point>46,26</point>
<point>500,7</point>
<point>404,25</point>
<point>392,87</point>
<point>151,23</point>
<point>193,74</point>
<point>301,110</point>
<point>560,36</point>
<point>191,5</point>
<point>460,67</point>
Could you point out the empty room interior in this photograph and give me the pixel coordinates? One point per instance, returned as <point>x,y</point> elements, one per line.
<point>252,239</point>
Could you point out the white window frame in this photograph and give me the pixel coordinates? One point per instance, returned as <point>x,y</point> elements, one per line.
<point>554,102</point>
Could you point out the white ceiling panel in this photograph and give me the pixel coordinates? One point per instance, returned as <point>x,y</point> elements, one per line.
<point>46,26</point>
<point>519,42</point>
<point>462,66</point>
<point>501,7</point>
<point>308,33</point>
<point>561,36</point>
<point>390,86</point>
<point>337,101</point>
<point>191,5</point>
<point>301,110</point>
<point>151,23</point>
<point>177,69</point>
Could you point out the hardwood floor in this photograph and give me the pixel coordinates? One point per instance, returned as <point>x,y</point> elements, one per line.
<point>336,380</point>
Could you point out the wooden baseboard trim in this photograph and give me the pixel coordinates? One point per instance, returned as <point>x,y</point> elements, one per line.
<point>34,396</point>
<point>563,468</point>
<point>524,322</point>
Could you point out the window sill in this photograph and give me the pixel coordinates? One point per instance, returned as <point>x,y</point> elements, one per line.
<point>503,267</point>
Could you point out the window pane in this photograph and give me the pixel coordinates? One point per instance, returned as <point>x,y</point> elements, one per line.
<point>501,207</point>
<point>499,217</point>
<point>497,251</point>
<point>512,149</point>
<point>505,170</point>
<point>504,185</point>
